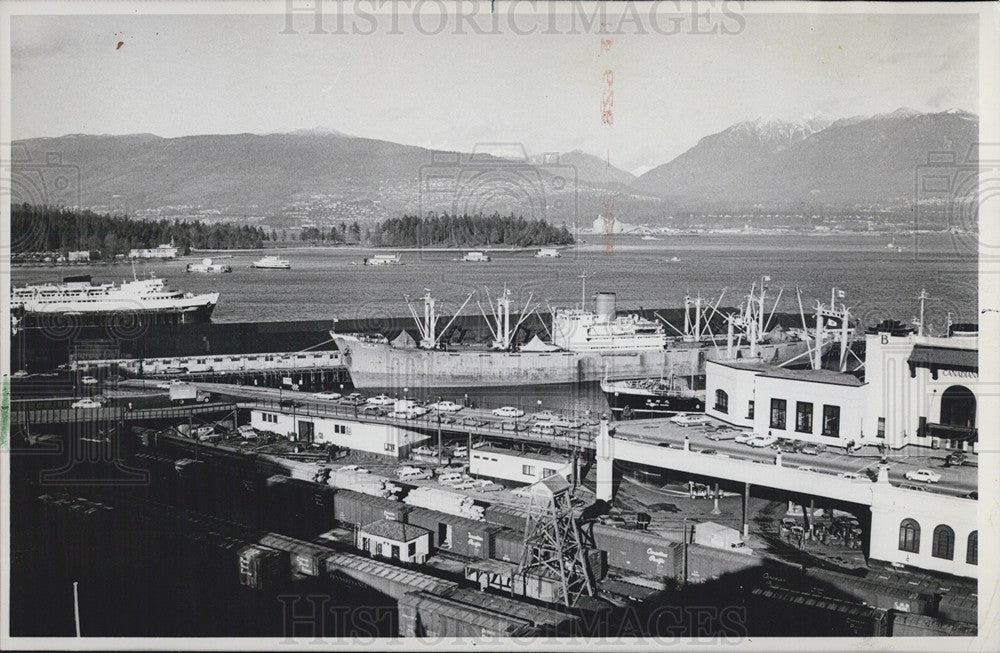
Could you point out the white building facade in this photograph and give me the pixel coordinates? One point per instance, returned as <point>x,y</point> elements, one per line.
<point>384,439</point>
<point>916,390</point>
<point>495,462</point>
<point>922,390</point>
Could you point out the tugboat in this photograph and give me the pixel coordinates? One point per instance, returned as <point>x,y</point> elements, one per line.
<point>272,263</point>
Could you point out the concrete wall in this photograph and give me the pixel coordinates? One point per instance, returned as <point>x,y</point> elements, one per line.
<point>738,383</point>
<point>385,439</point>
<point>849,399</point>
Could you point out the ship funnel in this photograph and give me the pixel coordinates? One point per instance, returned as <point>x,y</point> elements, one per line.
<point>605,305</point>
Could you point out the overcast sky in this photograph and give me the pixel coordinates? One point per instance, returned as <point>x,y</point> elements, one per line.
<point>181,75</point>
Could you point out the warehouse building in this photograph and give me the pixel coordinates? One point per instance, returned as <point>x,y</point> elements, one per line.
<point>506,464</point>
<point>384,439</point>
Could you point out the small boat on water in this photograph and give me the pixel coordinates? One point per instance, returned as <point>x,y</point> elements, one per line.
<point>548,252</point>
<point>272,263</point>
<point>208,267</point>
<point>476,257</point>
<point>383,259</point>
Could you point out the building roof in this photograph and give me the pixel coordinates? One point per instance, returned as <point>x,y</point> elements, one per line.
<point>394,530</point>
<point>533,456</point>
<point>813,376</point>
<point>753,364</point>
<point>946,357</point>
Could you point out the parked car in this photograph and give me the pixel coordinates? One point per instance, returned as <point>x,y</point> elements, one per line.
<point>744,437</point>
<point>806,468</point>
<point>690,419</point>
<point>925,475</point>
<point>473,422</point>
<point>86,403</point>
<point>813,449</point>
<point>850,475</point>
<point>88,380</point>
<point>354,399</point>
<point>373,410</point>
<point>545,416</point>
<point>246,432</point>
<point>460,452</point>
<point>512,426</point>
<point>381,400</point>
<point>446,407</point>
<point>290,403</point>
<point>508,411</point>
<point>710,452</point>
<point>956,458</point>
<point>329,396</point>
<point>543,428</point>
<point>761,441</point>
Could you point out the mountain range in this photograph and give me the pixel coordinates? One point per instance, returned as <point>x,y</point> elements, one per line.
<point>321,176</point>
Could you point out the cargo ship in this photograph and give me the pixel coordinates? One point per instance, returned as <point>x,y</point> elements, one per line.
<point>150,300</point>
<point>585,347</point>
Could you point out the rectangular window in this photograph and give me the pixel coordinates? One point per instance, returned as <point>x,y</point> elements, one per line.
<point>390,447</point>
<point>750,409</point>
<point>546,472</point>
<point>528,470</point>
<point>803,417</point>
<point>366,544</point>
<point>881,428</point>
<point>831,421</point>
<point>395,552</point>
<point>778,409</point>
<point>411,550</point>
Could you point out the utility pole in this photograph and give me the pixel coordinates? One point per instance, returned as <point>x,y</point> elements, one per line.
<point>440,446</point>
<point>76,607</point>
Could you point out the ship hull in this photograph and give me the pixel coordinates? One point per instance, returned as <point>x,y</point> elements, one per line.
<point>379,365</point>
<point>125,317</point>
<point>634,405</point>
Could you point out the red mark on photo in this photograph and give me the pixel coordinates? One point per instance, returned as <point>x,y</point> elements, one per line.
<point>120,44</point>
<point>606,45</point>
<point>608,98</point>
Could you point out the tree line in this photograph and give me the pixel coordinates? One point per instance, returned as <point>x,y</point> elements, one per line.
<point>52,229</point>
<point>467,231</point>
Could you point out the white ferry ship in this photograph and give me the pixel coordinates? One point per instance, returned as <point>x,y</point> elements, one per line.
<point>272,263</point>
<point>151,298</point>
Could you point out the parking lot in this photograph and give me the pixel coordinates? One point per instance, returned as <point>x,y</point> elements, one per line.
<point>863,463</point>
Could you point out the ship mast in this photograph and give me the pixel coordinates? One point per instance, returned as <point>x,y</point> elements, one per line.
<point>428,326</point>
<point>583,290</point>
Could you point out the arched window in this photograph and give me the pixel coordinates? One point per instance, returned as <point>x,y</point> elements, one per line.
<point>909,536</point>
<point>958,407</point>
<point>943,544</point>
<point>721,401</point>
<point>972,549</point>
